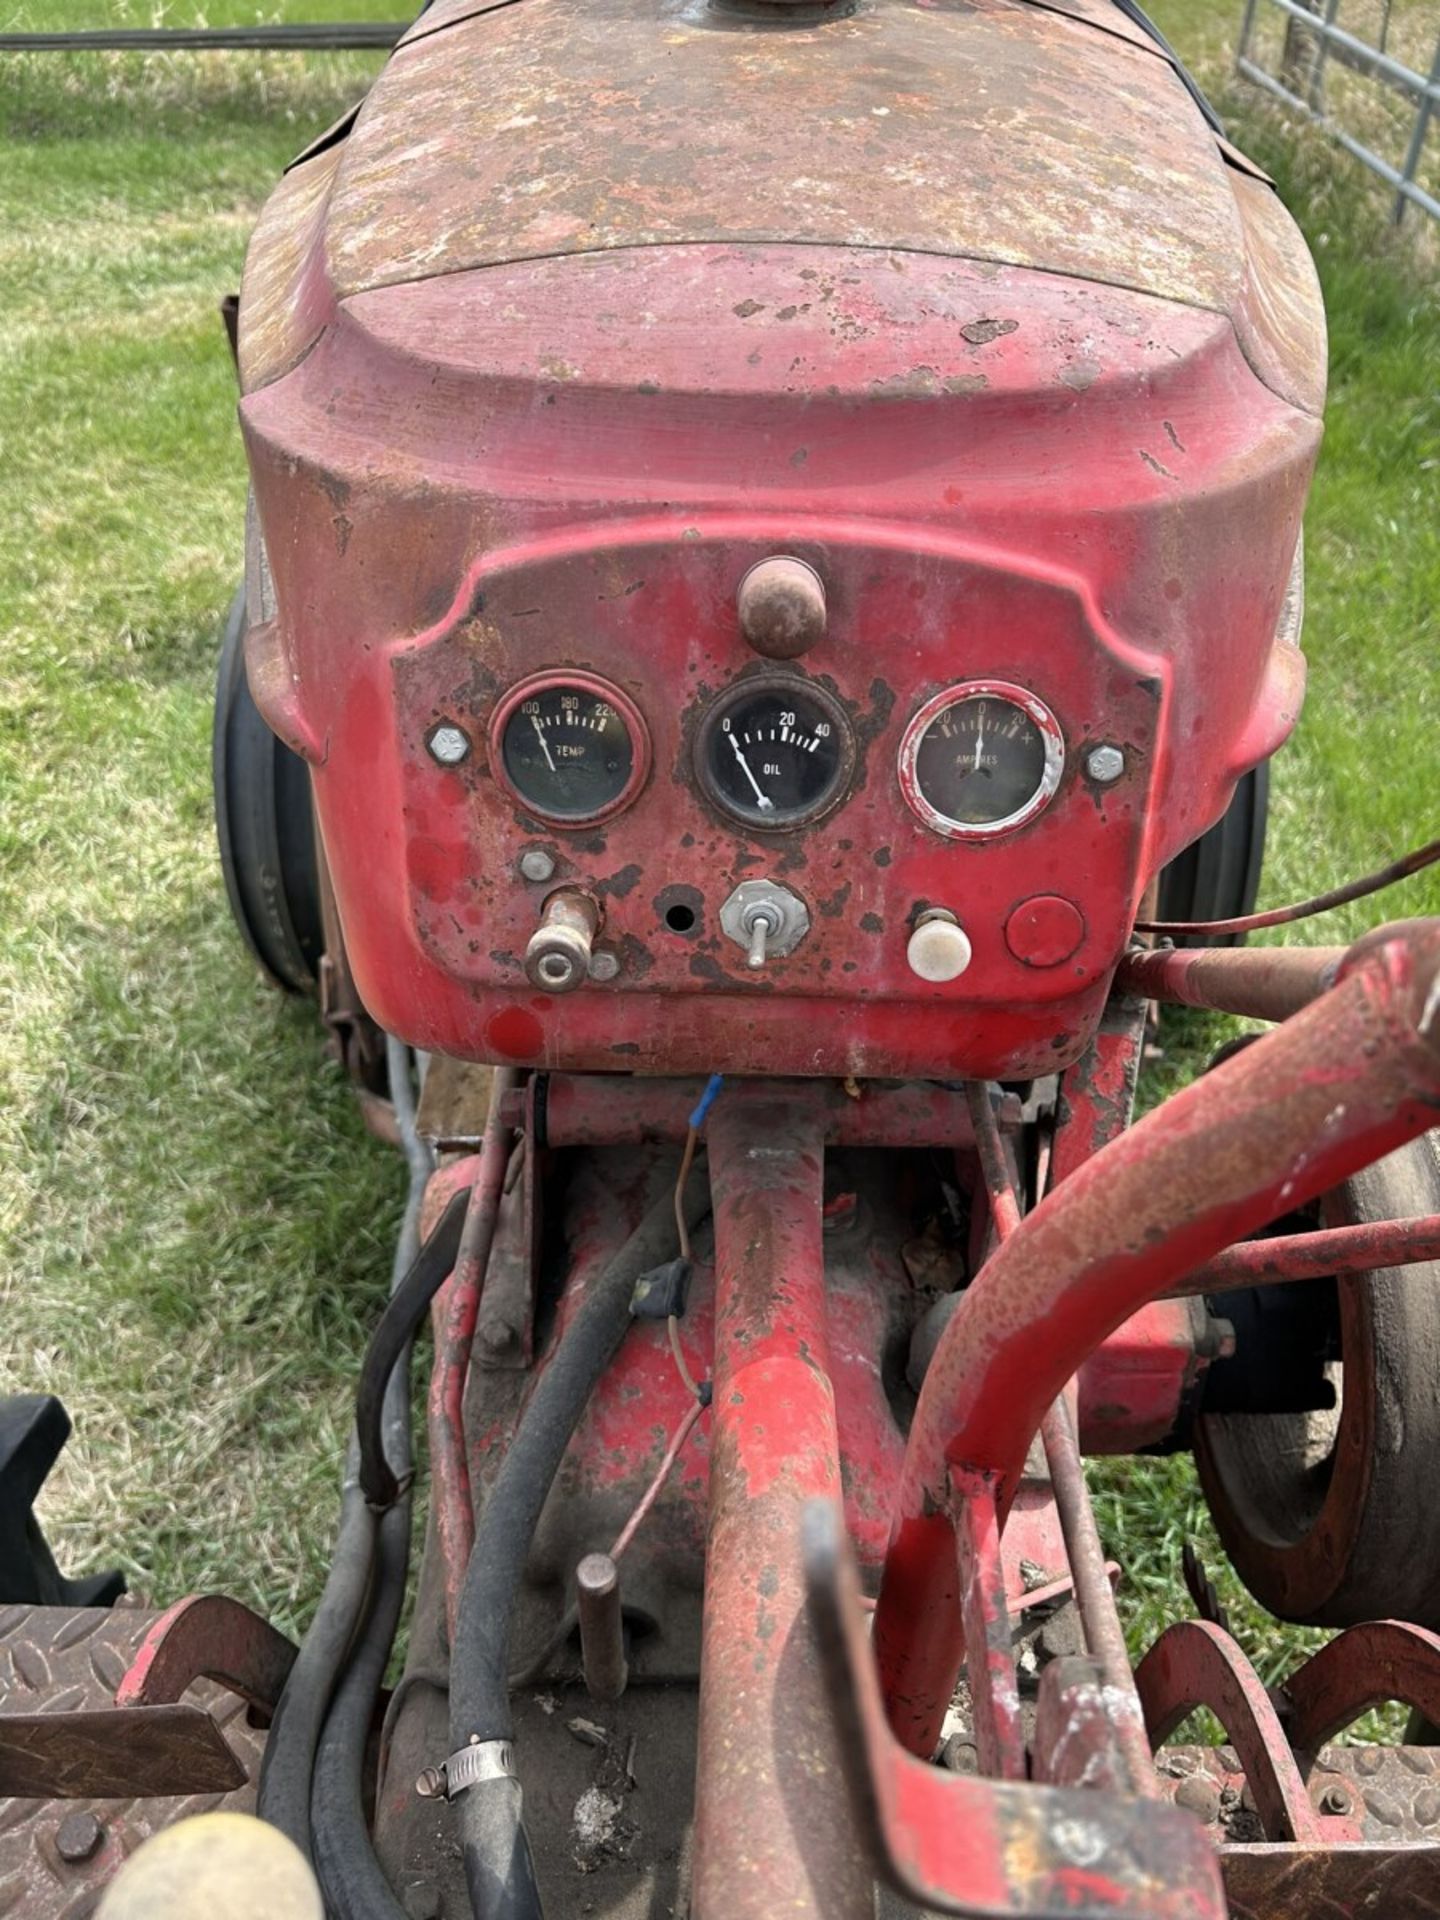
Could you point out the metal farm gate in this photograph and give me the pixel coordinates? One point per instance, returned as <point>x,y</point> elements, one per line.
<point>1367,70</point>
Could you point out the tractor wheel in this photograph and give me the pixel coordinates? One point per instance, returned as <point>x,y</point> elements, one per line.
<point>1217,877</point>
<point>265,823</point>
<point>1330,1514</point>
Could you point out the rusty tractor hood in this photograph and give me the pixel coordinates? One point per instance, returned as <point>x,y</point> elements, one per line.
<point>1050,136</point>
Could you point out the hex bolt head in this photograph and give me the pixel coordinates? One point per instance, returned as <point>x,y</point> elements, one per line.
<point>536,864</point>
<point>604,966</point>
<point>1105,765</point>
<point>78,1837</point>
<point>1336,1800</point>
<point>448,744</point>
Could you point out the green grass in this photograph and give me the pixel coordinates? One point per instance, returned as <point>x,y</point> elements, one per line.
<point>194,1228</point>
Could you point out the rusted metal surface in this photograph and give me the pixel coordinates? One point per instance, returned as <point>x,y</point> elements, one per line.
<point>990,1665</point>
<point>773,1826</point>
<point>80,1754</point>
<point>1097,117</point>
<point>1258,983</point>
<point>211,1637</point>
<point>1075,1742</point>
<point>1341,1083</point>
<point>1132,1388</point>
<point>989,1848</point>
<point>1391,1793</point>
<point>1362,1668</point>
<point>1095,1595</point>
<point>1109,1060</point>
<point>1193,1664</point>
<point>602,1627</point>
<point>1361,1248</point>
<point>453,1316</point>
<point>598,1109</point>
<point>57,1661</point>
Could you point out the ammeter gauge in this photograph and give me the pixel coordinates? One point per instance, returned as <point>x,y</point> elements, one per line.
<point>980,759</point>
<point>570,747</point>
<point>775,751</point>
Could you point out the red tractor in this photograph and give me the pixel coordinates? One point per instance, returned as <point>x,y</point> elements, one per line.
<point>776,559</point>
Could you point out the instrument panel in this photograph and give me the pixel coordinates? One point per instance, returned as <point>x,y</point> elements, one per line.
<point>866,809</point>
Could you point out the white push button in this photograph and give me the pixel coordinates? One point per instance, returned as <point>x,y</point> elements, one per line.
<point>939,947</point>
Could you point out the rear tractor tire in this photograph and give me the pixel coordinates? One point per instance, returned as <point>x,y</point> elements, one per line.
<point>264,819</point>
<point>1331,1515</point>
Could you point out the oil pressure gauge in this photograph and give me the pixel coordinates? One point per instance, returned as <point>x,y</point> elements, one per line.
<point>981,759</point>
<point>571,748</point>
<point>775,751</point>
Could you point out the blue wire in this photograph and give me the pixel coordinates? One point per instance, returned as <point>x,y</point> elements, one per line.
<point>706,1100</point>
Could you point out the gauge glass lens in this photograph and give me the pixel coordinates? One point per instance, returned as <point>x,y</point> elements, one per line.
<point>567,752</point>
<point>774,754</point>
<point>985,762</point>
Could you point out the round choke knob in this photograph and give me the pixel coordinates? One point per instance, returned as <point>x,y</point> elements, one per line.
<point>939,948</point>
<point>781,604</point>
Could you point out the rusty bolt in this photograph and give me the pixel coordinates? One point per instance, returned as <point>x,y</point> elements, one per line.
<point>604,965</point>
<point>1105,765</point>
<point>781,603</point>
<point>1336,1799</point>
<point>448,744</point>
<point>536,864</point>
<point>498,1336</point>
<point>78,1837</point>
<point>1198,1794</point>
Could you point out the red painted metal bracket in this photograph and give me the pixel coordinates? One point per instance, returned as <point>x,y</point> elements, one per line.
<point>1362,1668</point>
<point>989,1849</point>
<point>1196,1664</point>
<point>208,1637</point>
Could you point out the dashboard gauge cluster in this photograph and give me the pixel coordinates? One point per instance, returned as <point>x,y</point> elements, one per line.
<point>776,751</point>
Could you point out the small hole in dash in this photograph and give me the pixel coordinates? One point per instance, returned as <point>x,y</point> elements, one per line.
<point>680,918</point>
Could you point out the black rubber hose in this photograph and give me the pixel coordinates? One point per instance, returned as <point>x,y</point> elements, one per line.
<point>391,1340</point>
<point>287,1769</point>
<point>283,1794</point>
<point>498,1868</point>
<point>351,1878</point>
<point>354,1884</point>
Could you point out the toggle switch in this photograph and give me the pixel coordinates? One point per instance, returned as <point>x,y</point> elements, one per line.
<point>768,920</point>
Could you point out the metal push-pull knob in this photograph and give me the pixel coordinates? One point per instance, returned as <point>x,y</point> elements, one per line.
<point>557,958</point>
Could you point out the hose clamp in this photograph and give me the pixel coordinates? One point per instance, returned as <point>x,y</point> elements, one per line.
<point>481,1760</point>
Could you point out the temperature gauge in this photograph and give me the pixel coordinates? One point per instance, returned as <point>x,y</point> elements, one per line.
<point>981,759</point>
<point>775,752</point>
<point>570,747</point>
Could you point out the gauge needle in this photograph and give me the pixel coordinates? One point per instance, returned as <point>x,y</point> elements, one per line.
<point>766,804</point>
<point>544,743</point>
<point>979,735</point>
